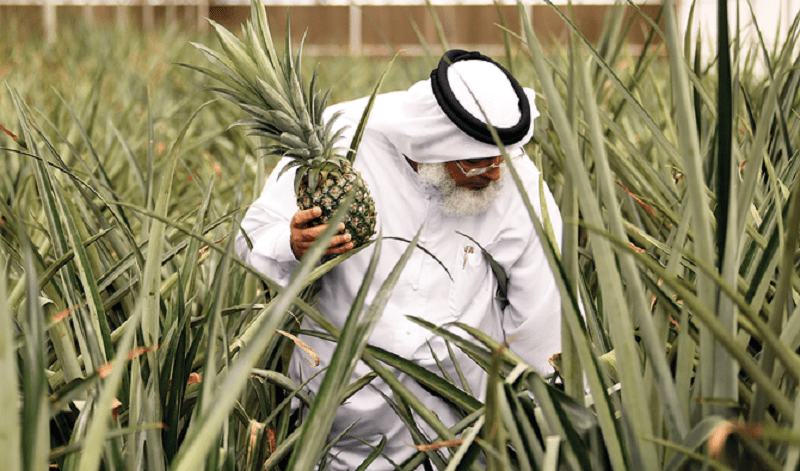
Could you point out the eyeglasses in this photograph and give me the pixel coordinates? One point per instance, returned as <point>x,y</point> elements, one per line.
<point>481,170</point>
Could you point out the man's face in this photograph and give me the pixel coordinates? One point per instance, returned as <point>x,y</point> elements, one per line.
<point>458,169</point>
<point>464,195</point>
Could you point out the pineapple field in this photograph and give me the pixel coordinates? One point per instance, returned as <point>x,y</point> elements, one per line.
<point>132,337</point>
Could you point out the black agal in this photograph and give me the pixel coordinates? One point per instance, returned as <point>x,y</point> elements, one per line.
<point>475,126</point>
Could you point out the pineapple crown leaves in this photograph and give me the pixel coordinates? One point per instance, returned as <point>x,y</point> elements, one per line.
<point>247,63</point>
<point>315,164</point>
<point>268,87</point>
<point>238,53</point>
<point>313,97</point>
<point>327,151</point>
<point>274,119</point>
<point>258,15</point>
<point>233,83</point>
<point>266,60</point>
<point>319,171</point>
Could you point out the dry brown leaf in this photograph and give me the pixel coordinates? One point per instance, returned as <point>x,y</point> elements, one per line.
<point>254,428</point>
<point>105,370</point>
<point>66,312</point>
<point>13,136</point>
<point>309,351</point>
<point>115,405</point>
<point>438,445</point>
<point>271,438</point>
<point>637,199</point>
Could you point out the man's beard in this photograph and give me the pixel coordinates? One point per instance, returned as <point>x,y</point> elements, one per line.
<point>460,201</point>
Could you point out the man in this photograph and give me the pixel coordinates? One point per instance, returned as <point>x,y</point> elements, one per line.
<point>430,161</point>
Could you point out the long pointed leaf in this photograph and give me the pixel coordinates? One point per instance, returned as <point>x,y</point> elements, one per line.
<point>11,435</point>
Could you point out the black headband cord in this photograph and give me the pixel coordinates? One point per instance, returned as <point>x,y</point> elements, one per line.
<point>471,125</point>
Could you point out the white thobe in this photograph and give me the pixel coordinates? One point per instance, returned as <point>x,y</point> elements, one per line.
<point>405,203</point>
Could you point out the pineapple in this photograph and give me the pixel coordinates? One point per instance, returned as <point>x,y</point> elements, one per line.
<point>333,183</point>
<point>270,89</point>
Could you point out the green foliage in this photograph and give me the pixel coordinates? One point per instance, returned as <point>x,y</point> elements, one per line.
<point>132,336</point>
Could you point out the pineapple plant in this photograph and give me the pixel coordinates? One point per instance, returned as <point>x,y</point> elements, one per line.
<point>269,88</point>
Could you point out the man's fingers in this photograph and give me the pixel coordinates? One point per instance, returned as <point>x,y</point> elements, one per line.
<point>339,240</point>
<point>340,249</point>
<point>339,245</point>
<point>303,236</point>
<point>312,233</point>
<point>336,242</point>
<point>301,218</point>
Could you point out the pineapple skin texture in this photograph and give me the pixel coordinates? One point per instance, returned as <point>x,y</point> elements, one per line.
<point>333,185</point>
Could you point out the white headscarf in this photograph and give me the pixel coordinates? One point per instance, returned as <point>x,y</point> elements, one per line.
<point>414,122</point>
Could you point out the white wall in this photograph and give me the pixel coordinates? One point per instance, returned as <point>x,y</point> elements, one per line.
<point>773,16</point>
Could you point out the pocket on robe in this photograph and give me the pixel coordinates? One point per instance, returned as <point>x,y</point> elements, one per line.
<point>473,281</point>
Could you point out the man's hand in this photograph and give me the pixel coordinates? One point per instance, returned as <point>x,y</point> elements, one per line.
<point>303,235</point>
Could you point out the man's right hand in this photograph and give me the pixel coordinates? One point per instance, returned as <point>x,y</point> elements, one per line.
<point>303,234</point>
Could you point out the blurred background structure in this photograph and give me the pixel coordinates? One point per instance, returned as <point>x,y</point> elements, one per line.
<point>773,17</point>
<point>379,27</point>
<point>368,27</point>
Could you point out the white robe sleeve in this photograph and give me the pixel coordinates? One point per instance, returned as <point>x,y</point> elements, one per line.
<point>532,319</point>
<point>266,224</point>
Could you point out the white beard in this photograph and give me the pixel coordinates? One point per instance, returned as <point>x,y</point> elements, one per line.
<point>459,201</point>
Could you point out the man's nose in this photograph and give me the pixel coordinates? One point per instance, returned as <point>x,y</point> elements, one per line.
<point>494,172</point>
